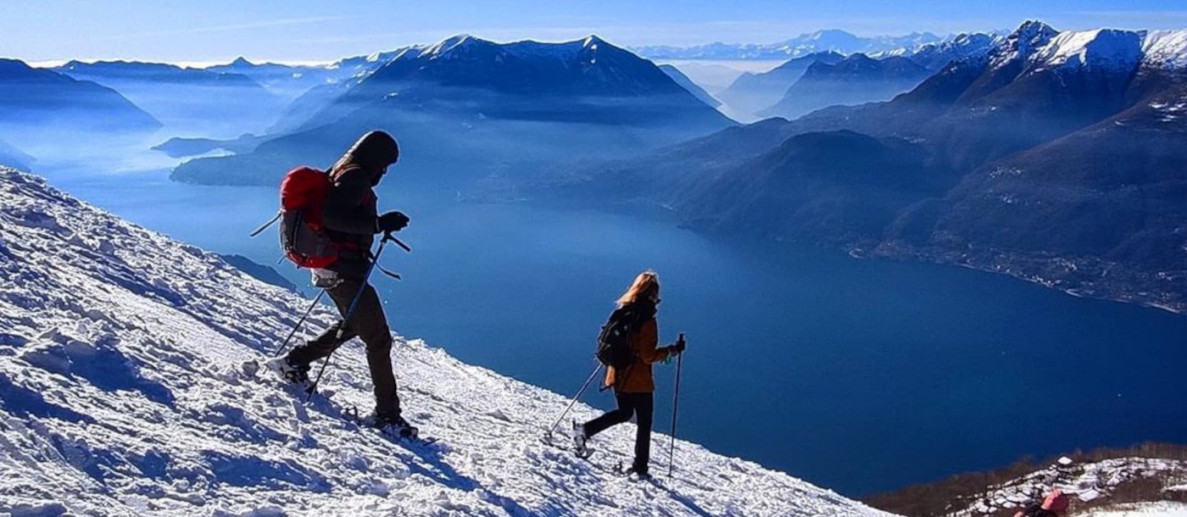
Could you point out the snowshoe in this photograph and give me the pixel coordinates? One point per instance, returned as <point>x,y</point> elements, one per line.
<point>395,426</point>
<point>288,371</point>
<point>634,474</point>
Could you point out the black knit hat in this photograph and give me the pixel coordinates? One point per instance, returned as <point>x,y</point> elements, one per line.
<point>375,150</point>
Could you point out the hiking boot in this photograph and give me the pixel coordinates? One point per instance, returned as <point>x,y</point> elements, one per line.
<point>395,426</point>
<point>580,440</point>
<point>289,371</point>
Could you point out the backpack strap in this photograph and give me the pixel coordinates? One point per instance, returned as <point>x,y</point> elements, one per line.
<point>267,224</point>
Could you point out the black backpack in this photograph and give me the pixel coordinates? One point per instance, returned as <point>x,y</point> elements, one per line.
<point>1036,510</point>
<point>617,338</point>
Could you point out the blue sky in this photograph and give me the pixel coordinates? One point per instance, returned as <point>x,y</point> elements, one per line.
<point>308,30</point>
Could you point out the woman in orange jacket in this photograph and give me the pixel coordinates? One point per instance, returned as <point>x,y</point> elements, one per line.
<point>634,387</point>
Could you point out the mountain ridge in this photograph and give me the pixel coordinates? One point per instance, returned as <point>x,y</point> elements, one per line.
<point>41,107</point>
<point>1057,148</point>
<point>461,100</point>
<point>824,40</point>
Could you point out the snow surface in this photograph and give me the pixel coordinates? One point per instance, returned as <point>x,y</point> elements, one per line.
<point>444,48</point>
<point>1101,48</point>
<point>1161,509</point>
<point>127,388</point>
<point>1166,49</point>
<point>1110,49</point>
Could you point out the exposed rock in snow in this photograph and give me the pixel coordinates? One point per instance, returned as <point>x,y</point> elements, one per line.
<point>1161,509</point>
<point>127,387</point>
<point>936,56</point>
<point>1085,482</point>
<point>1022,43</point>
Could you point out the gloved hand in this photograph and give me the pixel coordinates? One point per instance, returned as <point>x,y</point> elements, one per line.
<point>391,222</point>
<point>680,345</point>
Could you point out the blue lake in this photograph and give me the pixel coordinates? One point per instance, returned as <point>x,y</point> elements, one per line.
<point>857,375</point>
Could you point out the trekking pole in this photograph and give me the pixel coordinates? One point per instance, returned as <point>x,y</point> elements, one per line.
<point>300,322</point>
<point>354,303</point>
<point>675,405</point>
<point>548,434</point>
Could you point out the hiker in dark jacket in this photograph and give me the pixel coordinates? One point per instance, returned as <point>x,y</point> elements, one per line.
<point>352,221</point>
<point>634,388</point>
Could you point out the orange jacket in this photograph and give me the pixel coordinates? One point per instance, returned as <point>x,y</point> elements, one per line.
<point>637,377</point>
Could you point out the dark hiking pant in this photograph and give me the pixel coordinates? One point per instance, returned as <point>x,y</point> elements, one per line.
<point>641,405</point>
<point>370,325</point>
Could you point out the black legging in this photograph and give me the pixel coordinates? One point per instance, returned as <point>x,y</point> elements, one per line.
<point>642,405</point>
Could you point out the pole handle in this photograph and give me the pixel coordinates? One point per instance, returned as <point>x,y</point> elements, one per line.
<point>389,237</point>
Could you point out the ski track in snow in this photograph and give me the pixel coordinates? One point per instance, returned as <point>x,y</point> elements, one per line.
<point>125,389</point>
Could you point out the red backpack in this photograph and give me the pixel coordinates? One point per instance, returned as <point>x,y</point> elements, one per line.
<point>303,236</point>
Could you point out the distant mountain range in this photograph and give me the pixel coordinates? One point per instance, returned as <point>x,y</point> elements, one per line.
<point>1054,157</point>
<point>305,89</point>
<point>935,56</point>
<point>285,81</point>
<point>754,92</point>
<point>482,108</point>
<point>225,101</point>
<point>854,80</point>
<point>189,101</point>
<point>44,109</point>
<point>857,81</point>
<point>810,43</point>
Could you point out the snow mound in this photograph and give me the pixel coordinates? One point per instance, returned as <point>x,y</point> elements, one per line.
<point>128,387</point>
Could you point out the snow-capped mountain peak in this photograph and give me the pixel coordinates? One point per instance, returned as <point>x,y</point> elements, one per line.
<point>591,42</point>
<point>126,388</point>
<point>1100,48</point>
<point>1166,49</point>
<point>453,44</point>
<point>1022,43</point>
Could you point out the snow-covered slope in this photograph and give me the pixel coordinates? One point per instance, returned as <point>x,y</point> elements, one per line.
<point>1160,509</point>
<point>1109,50</point>
<point>125,389</point>
<point>1101,48</point>
<point>935,56</point>
<point>1166,49</point>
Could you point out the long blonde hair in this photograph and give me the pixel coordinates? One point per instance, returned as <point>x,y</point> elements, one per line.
<point>645,285</point>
